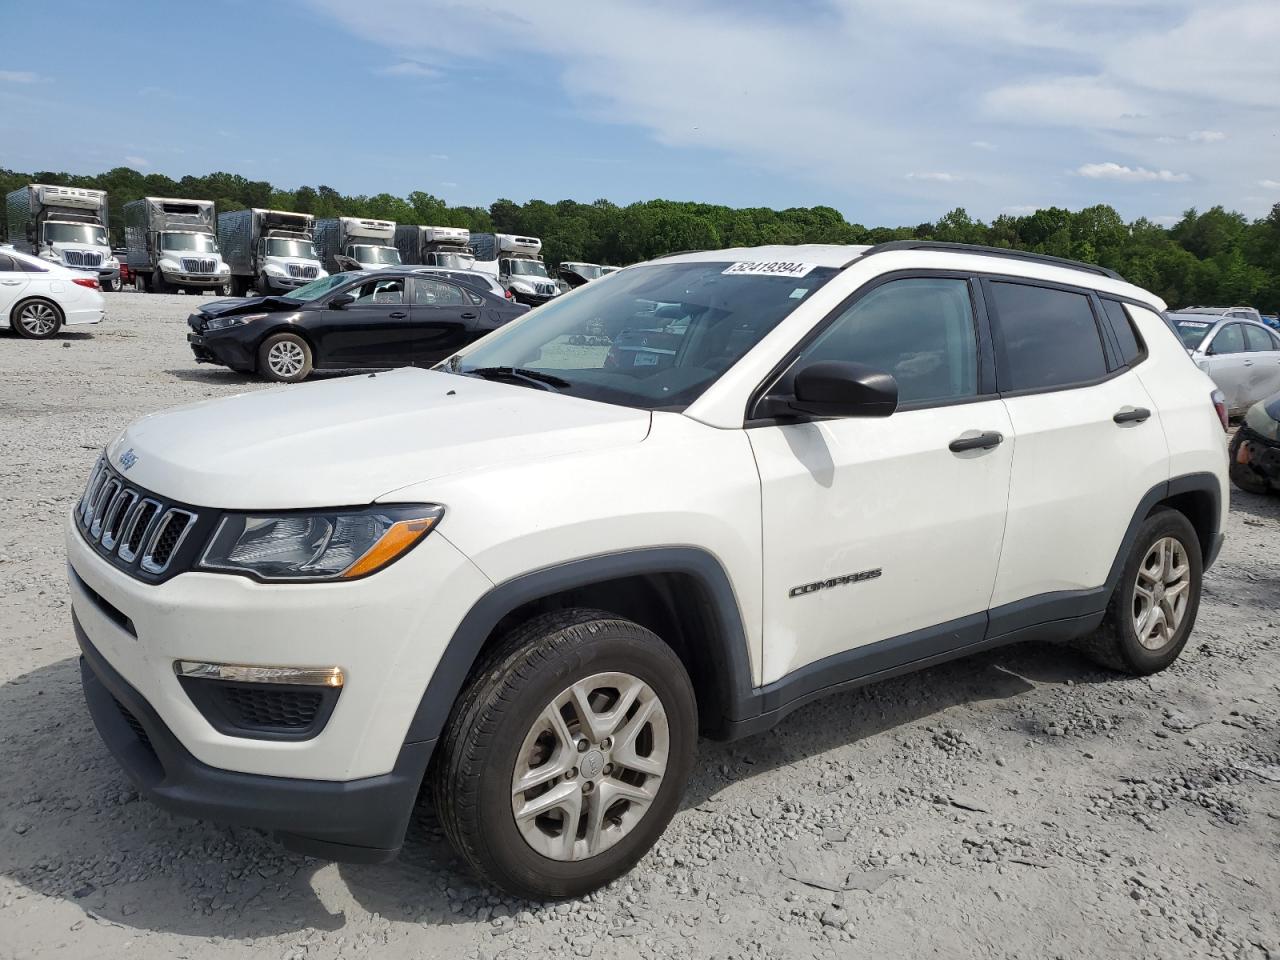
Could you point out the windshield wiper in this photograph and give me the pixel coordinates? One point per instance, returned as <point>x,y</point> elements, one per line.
<point>519,373</point>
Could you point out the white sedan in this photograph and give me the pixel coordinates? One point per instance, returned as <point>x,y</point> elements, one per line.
<point>38,298</point>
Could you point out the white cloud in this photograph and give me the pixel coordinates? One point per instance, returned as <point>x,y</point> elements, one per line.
<point>936,177</point>
<point>19,76</point>
<point>1022,210</point>
<point>982,145</point>
<point>1269,184</point>
<point>1116,171</point>
<point>137,161</point>
<point>1067,101</point>
<point>409,68</point>
<point>1206,136</point>
<point>438,156</point>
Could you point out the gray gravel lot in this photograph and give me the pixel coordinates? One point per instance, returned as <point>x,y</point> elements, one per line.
<point>1018,804</point>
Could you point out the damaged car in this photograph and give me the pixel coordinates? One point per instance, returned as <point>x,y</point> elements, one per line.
<point>1255,449</point>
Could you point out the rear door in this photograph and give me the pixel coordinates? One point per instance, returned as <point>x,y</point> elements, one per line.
<point>1227,362</point>
<point>1264,354</point>
<point>445,318</point>
<point>13,281</point>
<point>1088,446</point>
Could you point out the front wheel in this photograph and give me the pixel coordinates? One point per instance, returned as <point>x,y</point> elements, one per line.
<point>565,758</point>
<point>284,358</point>
<point>37,319</point>
<point>1154,606</point>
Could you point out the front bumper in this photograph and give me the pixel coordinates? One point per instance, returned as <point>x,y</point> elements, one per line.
<point>226,349</point>
<point>1263,455</point>
<point>532,299</point>
<point>197,279</point>
<point>360,821</point>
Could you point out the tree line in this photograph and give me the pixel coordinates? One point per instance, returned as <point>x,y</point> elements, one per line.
<point>1217,257</point>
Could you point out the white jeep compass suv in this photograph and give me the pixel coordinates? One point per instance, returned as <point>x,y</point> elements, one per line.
<point>690,496</point>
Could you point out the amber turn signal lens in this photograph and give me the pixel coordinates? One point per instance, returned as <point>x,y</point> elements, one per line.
<point>398,538</point>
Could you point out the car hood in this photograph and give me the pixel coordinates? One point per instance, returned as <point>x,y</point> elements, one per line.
<point>221,308</point>
<point>353,440</point>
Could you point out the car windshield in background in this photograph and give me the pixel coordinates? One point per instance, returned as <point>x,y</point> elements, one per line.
<point>455,261</point>
<point>371,254</point>
<point>279,247</point>
<point>654,337</point>
<point>318,288</point>
<point>588,271</point>
<point>75,233</point>
<point>528,268</point>
<point>1191,331</point>
<point>188,242</point>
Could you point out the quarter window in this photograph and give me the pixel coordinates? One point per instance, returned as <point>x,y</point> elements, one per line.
<point>920,330</point>
<point>1048,337</point>
<point>1126,337</point>
<point>1230,339</point>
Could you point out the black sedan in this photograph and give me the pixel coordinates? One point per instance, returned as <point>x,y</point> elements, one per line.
<point>1255,450</point>
<point>380,318</point>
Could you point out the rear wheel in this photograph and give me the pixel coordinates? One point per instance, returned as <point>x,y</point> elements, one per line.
<point>1154,607</point>
<point>36,319</point>
<point>158,282</point>
<point>566,756</point>
<point>284,358</point>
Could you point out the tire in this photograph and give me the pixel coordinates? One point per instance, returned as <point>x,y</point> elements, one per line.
<point>239,287</point>
<point>158,283</point>
<point>110,286</point>
<point>1116,643</point>
<point>493,734</point>
<point>140,282</point>
<point>284,358</point>
<point>1243,475</point>
<point>36,319</point>
<point>262,287</point>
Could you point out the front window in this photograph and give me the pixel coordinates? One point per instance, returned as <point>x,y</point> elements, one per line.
<point>188,242</point>
<point>654,337</point>
<point>282,247</point>
<point>1192,332</point>
<point>318,288</point>
<point>528,268</point>
<point>86,233</point>
<point>367,253</point>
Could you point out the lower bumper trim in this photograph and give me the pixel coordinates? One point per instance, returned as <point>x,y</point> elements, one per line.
<point>360,821</point>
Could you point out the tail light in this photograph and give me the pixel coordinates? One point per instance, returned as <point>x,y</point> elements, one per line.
<point>510,295</point>
<point>90,282</point>
<point>1220,405</point>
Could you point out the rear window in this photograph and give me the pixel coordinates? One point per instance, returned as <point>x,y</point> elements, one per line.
<point>1259,339</point>
<point>1192,332</point>
<point>1048,337</point>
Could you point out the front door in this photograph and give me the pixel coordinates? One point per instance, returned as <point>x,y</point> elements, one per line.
<point>13,280</point>
<point>1263,362</point>
<point>1226,363</point>
<point>374,330</point>
<point>877,531</point>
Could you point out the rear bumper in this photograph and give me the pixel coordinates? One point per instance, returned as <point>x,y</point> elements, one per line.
<point>359,821</point>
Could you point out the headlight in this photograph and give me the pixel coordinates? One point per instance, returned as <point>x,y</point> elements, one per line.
<point>221,323</point>
<point>321,274</point>
<point>522,286</point>
<point>275,270</point>
<point>318,545</point>
<point>112,262</point>
<point>166,264</point>
<point>224,268</point>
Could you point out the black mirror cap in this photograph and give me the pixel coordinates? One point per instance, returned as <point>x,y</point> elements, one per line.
<point>340,301</point>
<point>840,388</point>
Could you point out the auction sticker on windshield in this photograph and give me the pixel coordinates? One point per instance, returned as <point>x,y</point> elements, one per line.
<point>774,268</point>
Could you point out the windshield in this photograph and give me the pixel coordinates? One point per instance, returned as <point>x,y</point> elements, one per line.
<point>1192,332</point>
<point>188,242</point>
<point>588,271</point>
<point>318,288</point>
<point>75,233</point>
<point>654,337</point>
<point>452,261</point>
<point>366,253</point>
<point>280,247</point>
<point>528,268</point>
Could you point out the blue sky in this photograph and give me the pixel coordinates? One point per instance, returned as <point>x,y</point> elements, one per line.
<point>892,111</point>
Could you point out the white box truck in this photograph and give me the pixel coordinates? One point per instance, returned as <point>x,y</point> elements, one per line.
<point>67,225</point>
<point>270,250</point>
<point>445,247</point>
<point>517,263</point>
<point>364,244</point>
<point>172,244</point>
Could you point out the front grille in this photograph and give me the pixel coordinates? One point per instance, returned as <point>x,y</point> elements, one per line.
<point>192,265</point>
<point>81,258</point>
<point>133,528</point>
<point>302,273</point>
<point>290,709</point>
<point>138,729</point>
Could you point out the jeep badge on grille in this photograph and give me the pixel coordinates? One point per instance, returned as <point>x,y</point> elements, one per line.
<point>128,459</point>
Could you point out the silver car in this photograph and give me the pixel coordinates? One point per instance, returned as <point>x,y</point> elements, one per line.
<point>1242,357</point>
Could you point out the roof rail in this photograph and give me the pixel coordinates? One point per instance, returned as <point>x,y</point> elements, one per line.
<point>976,250</point>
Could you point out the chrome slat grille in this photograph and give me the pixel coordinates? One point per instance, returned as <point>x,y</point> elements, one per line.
<point>193,265</point>
<point>82,258</point>
<point>129,526</point>
<point>302,273</point>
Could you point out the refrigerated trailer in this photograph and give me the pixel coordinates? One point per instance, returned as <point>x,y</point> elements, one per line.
<point>172,244</point>
<point>66,225</point>
<point>445,247</point>
<point>272,251</point>
<point>367,242</point>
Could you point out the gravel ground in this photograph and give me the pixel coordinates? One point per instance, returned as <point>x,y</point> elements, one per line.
<point>1018,804</point>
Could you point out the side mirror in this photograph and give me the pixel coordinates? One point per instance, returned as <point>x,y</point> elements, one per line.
<point>836,388</point>
<point>341,301</point>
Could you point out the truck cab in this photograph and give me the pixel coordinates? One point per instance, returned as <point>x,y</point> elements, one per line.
<point>445,247</point>
<point>517,263</point>
<point>65,225</point>
<point>172,246</point>
<point>369,243</point>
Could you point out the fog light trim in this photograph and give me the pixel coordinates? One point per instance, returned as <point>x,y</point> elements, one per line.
<point>243,673</point>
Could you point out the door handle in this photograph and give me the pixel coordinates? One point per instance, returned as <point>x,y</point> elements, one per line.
<point>1132,415</point>
<point>1247,363</point>
<point>11,283</point>
<point>981,441</point>
<point>398,315</point>
<point>468,316</point>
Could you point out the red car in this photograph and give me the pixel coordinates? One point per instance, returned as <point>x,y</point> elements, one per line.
<point>126,275</point>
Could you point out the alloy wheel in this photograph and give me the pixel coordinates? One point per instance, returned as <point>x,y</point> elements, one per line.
<point>590,766</point>
<point>285,358</point>
<point>1161,593</point>
<point>38,319</point>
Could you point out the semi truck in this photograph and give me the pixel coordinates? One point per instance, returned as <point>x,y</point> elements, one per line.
<point>517,263</point>
<point>444,247</point>
<point>272,251</point>
<point>172,244</point>
<point>367,242</point>
<point>67,225</point>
